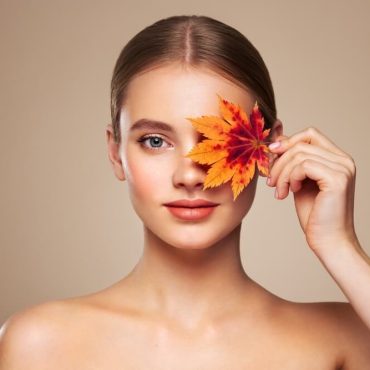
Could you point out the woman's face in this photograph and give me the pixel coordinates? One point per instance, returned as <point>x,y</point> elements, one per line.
<point>156,169</point>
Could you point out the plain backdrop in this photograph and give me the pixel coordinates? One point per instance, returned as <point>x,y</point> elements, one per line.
<point>67,224</point>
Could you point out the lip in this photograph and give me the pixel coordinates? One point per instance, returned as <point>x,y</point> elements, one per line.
<point>191,203</point>
<point>191,210</point>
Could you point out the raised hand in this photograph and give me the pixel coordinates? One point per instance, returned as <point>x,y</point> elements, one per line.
<point>322,179</point>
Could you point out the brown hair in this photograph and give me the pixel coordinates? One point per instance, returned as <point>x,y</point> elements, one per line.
<point>193,41</point>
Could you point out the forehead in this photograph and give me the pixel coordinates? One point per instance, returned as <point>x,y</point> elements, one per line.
<point>172,93</point>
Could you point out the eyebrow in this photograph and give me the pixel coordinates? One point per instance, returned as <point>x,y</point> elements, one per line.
<point>151,124</point>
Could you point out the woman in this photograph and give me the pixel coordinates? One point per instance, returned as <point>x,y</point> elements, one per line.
<point>188,303</point>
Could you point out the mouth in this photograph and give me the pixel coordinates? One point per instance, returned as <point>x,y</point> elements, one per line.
<point>191,203</point>
<point>191,209</point>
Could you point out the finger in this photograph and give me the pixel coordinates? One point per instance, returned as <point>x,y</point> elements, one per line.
<point>286,180</point>
<point>273,156</point>
<point>325,176</point>
<point>310,135</point>
<point>299,152</point>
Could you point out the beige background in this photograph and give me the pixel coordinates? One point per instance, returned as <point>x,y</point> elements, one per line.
<point>67,225</point>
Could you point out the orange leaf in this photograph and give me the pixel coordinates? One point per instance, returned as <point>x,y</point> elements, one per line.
<point>234,145</point>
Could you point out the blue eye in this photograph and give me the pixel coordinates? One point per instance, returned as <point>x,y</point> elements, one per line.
<point>153,139</point>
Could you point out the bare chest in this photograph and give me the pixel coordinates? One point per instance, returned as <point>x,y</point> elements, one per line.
<point>144,348</point>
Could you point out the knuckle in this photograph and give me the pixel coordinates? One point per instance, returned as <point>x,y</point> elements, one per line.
<point>312,130</point>
<point>351,164</point>
<point>347,173</point>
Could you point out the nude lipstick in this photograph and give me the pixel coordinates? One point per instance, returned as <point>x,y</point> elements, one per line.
<point>191,209</point>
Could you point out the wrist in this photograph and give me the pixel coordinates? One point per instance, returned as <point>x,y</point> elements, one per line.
<point>341,251</point>
<point>331,244</point>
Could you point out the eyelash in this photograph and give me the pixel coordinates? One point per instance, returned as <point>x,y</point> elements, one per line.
<point>142,139</point>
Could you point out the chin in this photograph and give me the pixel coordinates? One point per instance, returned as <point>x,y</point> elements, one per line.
<point>193,246</point>
<point>191,235</point>
<point>201,240</point>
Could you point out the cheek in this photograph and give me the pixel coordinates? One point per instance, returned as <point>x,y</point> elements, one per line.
<point>149,175</point>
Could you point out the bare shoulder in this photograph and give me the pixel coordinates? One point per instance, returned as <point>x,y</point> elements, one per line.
<point>352,333</point>
<point>33,337</point>
<point>337,325</point>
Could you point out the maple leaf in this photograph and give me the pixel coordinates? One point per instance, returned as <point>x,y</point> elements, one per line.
<point>234,145</point>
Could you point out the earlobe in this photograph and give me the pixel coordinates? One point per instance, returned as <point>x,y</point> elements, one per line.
<point>113,154</point>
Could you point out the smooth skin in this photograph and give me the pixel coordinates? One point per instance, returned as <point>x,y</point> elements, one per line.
<point>188,303</point>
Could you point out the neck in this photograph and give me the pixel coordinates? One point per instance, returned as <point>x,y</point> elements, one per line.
<point>192,284</point>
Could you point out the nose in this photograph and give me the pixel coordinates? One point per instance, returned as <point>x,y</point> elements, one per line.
<point>189,174</point>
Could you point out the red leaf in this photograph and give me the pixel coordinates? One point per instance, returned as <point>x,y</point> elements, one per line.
<point>234,145</point>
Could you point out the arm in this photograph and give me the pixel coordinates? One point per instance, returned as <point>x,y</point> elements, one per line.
<point>349,266</point>
<point>322,179</point>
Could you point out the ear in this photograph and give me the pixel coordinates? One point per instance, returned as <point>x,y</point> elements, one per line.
<point>113,154</point>
<point>275,132</point>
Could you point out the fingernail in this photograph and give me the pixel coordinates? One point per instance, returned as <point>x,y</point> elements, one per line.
<point>268,180</point>
<point>276,194</point>
<point>274,145</point>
